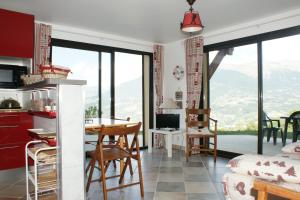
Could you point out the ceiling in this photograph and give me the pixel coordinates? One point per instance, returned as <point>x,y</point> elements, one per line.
<point>149,20</point>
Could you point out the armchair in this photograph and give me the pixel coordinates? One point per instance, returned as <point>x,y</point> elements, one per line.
<point>271,127</point>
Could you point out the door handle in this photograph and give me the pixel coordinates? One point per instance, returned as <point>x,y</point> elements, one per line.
<point>13,126</point>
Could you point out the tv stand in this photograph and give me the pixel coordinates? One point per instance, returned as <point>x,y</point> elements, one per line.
<point>168,133</point>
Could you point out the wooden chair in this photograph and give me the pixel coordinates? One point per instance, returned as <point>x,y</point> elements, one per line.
<point>112,141</point>
<point>197,127</point>
<point>105,154</point>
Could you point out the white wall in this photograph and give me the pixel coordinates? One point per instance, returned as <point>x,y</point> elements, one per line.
<point>174,55</point>
<point>92,37</point>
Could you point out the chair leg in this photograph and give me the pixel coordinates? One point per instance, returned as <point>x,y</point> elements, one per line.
<point>282,137</point>
<point>268,135</point>
<point>103,178</point>
<point>187,149</point>
<point>130,167</point>
<point>114,163</point>
<point>88,167</point>
<point>92,167</point>
<point>123,171</point>
<point>215,149</point>
<point>140,175</point>
<point>295,137</point>
<point>274,136</point>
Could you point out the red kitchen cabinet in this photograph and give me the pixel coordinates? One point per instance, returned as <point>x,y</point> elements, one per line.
<point>17,34</point>
<point>13,138</point>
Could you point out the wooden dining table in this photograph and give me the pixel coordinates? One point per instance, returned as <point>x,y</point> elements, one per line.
<point>96,123</point>
<point>92,125</point>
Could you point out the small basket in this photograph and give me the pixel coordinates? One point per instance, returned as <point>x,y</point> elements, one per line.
<point>32,78</point>
<point>52,71</point>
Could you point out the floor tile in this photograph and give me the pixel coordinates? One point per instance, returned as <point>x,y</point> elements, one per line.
<point>170,187</point>
<point>164,178</point>
<point>197,196</point>
<point>199,187</point>
<point>170,196</point>
<point>170,170</point>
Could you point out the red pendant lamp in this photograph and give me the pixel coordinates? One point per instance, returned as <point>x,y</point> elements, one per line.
<point>191,21</point>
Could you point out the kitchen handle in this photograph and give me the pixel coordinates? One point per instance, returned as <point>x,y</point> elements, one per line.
<point>8,116</point>
<point>12,147</point>
<point>13,126</point>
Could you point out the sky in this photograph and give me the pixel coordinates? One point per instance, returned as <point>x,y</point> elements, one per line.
<point>84,65</point>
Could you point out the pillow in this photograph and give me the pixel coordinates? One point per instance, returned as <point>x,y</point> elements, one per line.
<point>272,168</point>
<point>291,148</point>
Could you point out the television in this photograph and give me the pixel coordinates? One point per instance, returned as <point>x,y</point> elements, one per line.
<point>167,121</point>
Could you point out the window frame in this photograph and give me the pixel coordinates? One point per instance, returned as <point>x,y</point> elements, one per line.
<point>255,39</point>
<point>100,48</point>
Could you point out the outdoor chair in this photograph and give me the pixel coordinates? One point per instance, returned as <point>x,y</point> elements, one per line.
<point>271,127</point>
<point>294,119</point>
<point>197,127</point>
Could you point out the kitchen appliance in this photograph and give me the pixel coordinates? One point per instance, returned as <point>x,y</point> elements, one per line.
<point>10,75</point>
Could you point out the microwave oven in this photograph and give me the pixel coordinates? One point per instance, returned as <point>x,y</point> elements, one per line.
<point>10,75</point>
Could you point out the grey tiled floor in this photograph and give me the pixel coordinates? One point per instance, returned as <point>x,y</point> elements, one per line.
<point>164,178</point>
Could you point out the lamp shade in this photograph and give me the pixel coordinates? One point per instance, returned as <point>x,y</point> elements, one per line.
<point>191,22</point>
<point>169,104</point>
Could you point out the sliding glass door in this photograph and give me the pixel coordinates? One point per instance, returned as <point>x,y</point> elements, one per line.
<point>255,78</point>
<point>129,87</point>
<point>233,98</point>
<point>281,84</point>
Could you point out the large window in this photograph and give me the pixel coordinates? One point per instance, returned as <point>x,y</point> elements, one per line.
<point>84,65</point>
<point>114,78</point>
<point>256,78</point>
<point>233,92</point>
<point>281,83</point>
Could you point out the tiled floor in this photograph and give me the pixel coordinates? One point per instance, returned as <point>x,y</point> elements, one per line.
<point>164,178</point>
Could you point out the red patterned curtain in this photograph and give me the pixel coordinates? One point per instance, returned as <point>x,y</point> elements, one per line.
<point>42,46</point>
<point>194,57</point>
<point>158,75</point>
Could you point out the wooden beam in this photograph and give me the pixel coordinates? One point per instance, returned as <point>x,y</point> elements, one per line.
<point>218,59</point>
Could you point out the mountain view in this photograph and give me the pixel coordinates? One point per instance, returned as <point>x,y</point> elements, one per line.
<point>233,97</point>
<point>128,97</point>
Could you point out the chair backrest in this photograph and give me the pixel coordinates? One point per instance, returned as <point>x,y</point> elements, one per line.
<point>266,121</point>
<point>295,118</point>
<point>197,117</point>
<point>120,131</point>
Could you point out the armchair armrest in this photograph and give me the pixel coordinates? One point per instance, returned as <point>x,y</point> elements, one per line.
<point>275,120</point>
<point>214,120</point>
